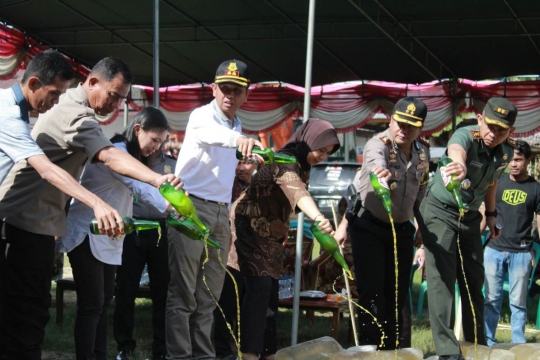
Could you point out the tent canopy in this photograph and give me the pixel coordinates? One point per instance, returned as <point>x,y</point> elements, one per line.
<point>403,41</point>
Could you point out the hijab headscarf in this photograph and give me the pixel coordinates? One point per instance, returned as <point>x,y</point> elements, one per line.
<point>312,135</point>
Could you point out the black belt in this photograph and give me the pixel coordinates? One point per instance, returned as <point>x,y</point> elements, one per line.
<point>211,201</point>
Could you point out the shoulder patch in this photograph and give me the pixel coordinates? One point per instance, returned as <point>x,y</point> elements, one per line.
<point>423,141</point>
<point>511,142</point>
<point>385,139</point>
<point>476,134</point>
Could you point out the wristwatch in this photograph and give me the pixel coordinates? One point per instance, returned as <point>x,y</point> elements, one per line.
<point>491,213</point>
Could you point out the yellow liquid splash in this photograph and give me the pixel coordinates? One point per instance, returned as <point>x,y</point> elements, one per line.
<point>348,298</point>
<point>396,272</point>
<point>236,338</point>
<point>158,236</point>
<point>467,287</point>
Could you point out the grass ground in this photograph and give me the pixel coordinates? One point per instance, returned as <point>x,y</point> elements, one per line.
<point>59,340</point>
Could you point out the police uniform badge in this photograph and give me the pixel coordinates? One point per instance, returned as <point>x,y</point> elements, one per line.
<point>167,169</point>
<point>422,155</point>
<point>505,156</point>
<point>393,157</point>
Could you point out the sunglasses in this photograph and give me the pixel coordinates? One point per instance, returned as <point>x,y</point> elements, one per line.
<point>227,90</point>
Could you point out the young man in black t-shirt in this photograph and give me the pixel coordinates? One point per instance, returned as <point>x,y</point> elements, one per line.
<point>517,199</point>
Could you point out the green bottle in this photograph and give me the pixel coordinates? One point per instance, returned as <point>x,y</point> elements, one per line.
<point>382,190</point>
<point>130,225</point>
<point>453,186</point>
<point>330,245</point>
<point>187,227</point>
<point>266,156</point>
<point>183,204</point>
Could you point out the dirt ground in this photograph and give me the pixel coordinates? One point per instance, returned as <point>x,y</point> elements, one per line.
<point>51,355</point>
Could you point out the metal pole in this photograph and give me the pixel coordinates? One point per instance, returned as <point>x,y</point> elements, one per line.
<point>126,112</point>
<point>300,228</point>
<point>156,53</point>
<point>453,91</point>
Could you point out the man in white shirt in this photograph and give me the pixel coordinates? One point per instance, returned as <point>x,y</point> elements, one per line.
<point>207,166</point>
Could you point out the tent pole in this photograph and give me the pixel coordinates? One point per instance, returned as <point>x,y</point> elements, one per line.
<point>126,113</point>
<point>453,92</point>
<point>300,226</point>
<point>156,54</point>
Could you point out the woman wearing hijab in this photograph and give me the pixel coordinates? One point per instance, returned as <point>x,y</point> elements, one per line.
<point>261,224</point>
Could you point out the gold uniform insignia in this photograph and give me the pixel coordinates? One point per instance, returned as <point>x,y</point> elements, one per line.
<point>511,142</point>
<point>505,156</point>
<point>422,141</point>
<point>501,111</point>
<point>385,140</point>
<point>476,134</point>
<point>167,169</point>
<point>232,69</point>
<point>411,109</point>
<point>422,155</point>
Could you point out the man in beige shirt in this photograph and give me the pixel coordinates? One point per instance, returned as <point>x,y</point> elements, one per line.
<point>35,211</point>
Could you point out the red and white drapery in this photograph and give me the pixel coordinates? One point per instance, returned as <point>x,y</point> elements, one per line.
<point>16,50</point>
<point>352,105</point>
<point>347,106</point>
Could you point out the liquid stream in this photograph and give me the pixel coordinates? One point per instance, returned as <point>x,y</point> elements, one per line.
<point>236,337</point>
<point>158,236</point>
<point>467,287</point>
<point>348,298</point>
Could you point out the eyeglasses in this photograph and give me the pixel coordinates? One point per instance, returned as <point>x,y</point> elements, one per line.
<point>227,90</point>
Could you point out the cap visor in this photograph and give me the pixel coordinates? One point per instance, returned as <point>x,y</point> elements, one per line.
<point>407,121</point>
<point>496,122</point>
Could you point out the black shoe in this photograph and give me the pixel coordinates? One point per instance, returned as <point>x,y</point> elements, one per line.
<point>452,357</point>
<point>123,355</point>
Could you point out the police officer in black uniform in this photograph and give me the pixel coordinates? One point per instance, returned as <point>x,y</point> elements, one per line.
<point>396,155</point>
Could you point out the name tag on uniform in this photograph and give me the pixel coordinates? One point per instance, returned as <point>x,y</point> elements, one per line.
<point>476,164</point>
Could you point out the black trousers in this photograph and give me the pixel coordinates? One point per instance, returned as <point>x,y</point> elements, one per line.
<point>25,292</point>
<point>94,283</point>
<point>259,307</point>
<point>373,254</point>
<point>222,336</point>
<point>140,249</point>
